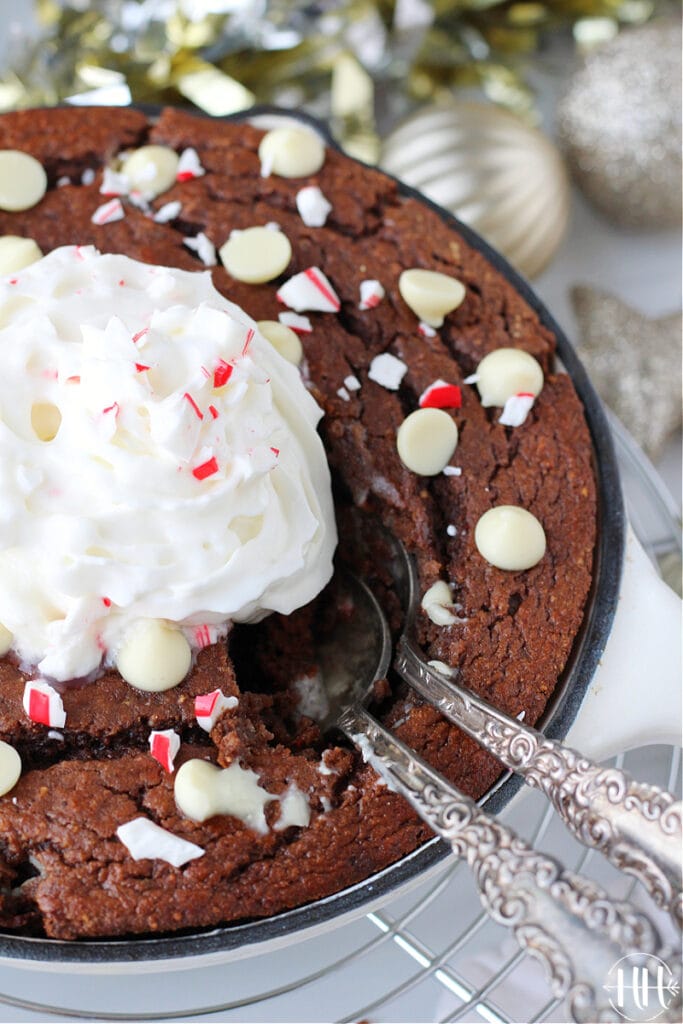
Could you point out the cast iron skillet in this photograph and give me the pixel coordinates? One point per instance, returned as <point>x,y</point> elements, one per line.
<point>556,722</point>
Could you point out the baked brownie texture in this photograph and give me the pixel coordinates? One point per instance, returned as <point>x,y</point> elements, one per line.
<point>64,873</point>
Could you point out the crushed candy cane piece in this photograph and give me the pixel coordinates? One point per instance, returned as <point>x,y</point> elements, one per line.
<point>452,471</point>
<point>205,469</point>
<point>164,744</point>
<point>352,383</point>
<point>451,530</point>
<point>88,176</point>
<point>193,405</point>
<point>343,394</point>
<point>441,395</point>
<point>371,294</point>
<point>113,183</point>
<point>472,379</point>
<point>313,207</point>
<point>204,248</point>
<point>309,290</point>
<point>516,409</point>
<point>425,330</point>
<point>208,708</point>
<point>64,180</point>
<point>299,324</point>
<point>167,212</point>
<point>387,370</point>
<point>146,840</point>
<point>189,165</point>
<point>222,373</point>
<point>108,212</point>
<point>43,704</point>
<point>205,636</point>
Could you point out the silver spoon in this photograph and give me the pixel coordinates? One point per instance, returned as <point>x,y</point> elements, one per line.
<point>567,922</point>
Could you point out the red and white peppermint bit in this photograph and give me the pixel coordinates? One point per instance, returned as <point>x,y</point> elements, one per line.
<point>222,373</point>
<point>140,334</point>
<point>371,294</point>
<point>113,184</point>
<point>312,206</point>
<point>204,248</point>
<point>248,340</point>
<point>205,469</point>
<point>425,330</point>
<point>108,212</point>
<point>106,425</point>
<point>299,324</point>
<point>164,744</point>
<point>193,405</point>
<point>43,704</point>
<point>209,707</point>
<point>167,212</point>
<point>441,395</point>
<point>387,370</point>
<point>516,409</point>
<point>204,636</point>
<point>189,166</point>
<point>214,412</point>
<point>145,840</point>
<point>309,290</point>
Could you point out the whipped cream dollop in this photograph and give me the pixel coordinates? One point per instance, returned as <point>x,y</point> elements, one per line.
<point>158,460</point>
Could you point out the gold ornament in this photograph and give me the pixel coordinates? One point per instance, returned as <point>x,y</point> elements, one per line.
<point>503,178</point>
<point>620,124</point>
<point>634,363</point>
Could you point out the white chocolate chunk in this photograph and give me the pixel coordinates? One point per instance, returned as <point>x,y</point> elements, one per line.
<point>291,153</point>
<point>426,441</point>
<point>6,639</point>
<point>17,253</point>
<point>203,790</point>
<point>430,295</point>
<point>10,768</point>
<point>154,656</point>
<point>283,339</point>
<point>151,170</point>
<point>387,370</point>
<point>442,668</point>
<point>312,206</point>
<point>294,810</point>
<point>510,538</point>
<point>256,255</point>
<point>505,372</point>
<point>146,840</point>
<point>438,604</point>
<point>23,180</point>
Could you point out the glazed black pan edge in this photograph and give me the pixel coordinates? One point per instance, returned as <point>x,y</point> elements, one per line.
<point>557,720</point>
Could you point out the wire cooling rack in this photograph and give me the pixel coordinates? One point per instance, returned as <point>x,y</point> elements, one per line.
<point>429,955</point>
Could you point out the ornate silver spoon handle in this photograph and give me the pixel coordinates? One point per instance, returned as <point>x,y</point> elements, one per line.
<point>636,826</point>
<point>568,923</point>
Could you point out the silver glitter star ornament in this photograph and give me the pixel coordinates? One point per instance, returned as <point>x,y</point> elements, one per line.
<point>634,363</point>
<point>620,126</point>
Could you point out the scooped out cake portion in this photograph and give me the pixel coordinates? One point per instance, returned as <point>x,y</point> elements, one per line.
<point>224,349</point>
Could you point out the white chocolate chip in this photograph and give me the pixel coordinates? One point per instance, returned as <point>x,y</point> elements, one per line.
<point>203,790</point>
<point>438,604</point>
<point>426,441</point>
<point>283,339</point>
<point>256,255</point>
<point>154,656</point>
<point>291,153</point>
<point>510,538</point>
<point>505,372</point>
<point>430,295</point>
<point>151,170</point>
<point>10,768</point>
<point>6,639</point>
<point>23,180</point>
<point>17,253</point>
<point>294,810</point>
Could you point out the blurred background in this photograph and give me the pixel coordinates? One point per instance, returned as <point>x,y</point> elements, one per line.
<point>553,127</point>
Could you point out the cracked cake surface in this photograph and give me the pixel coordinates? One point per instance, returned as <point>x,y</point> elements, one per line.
<point>65,873</point>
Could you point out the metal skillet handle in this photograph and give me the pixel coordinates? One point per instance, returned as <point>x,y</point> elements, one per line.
<point>569,924</point>
<point>636,826</point>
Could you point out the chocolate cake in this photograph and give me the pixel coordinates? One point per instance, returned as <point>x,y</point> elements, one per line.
<point>66,871</point>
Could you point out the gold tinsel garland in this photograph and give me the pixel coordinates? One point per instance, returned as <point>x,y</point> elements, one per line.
<point>224,55</point>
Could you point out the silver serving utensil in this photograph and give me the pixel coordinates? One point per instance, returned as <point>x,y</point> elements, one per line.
<point>637,827</point>
<point>567,922</point>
